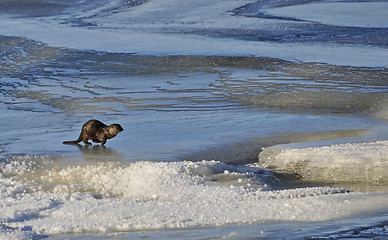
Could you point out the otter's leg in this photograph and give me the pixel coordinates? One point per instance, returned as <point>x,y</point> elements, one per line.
<point>85,140</point>
<point>103,141</point>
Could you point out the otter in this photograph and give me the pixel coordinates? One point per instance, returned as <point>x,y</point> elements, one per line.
<point>96,131</point>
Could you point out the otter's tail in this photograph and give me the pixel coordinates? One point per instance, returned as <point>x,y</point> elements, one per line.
<point>74,142</point>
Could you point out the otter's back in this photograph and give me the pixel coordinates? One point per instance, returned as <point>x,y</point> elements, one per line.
<point>92,126</point>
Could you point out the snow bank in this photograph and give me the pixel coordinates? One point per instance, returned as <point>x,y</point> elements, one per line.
<point>49,199</point>
<point>349,162</point>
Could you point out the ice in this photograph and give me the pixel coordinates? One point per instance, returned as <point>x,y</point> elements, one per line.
<point>179,104</point>
<point>369,14</point>
<point>134,35</point>
<point>348,162</point>
<point>158,195</point>
<point>12,234</point>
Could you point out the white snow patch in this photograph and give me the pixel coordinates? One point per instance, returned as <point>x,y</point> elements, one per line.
<point>349,162</point>
<point>158,195</point>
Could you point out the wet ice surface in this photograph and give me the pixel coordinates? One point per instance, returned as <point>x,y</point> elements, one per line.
<point>200,88</point>
<point>174,28</point>
<point>175,115</point>
<point>360,14</point>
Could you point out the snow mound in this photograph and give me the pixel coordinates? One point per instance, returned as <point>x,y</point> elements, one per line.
<point>47,198</point>
<point>349,162</point>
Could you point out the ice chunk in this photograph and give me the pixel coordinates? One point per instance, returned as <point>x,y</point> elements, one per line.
<point>349,162</point>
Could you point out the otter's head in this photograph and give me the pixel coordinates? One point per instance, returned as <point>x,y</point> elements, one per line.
<point>114,129</point>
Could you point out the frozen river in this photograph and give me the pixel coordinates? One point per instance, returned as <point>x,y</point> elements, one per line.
<point>242,119</point>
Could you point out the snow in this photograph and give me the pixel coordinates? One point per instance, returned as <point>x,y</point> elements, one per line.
<point>348,162</point>
<point>156,195</point>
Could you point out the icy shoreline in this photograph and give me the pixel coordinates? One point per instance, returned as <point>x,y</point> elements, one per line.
<point>122,196</point>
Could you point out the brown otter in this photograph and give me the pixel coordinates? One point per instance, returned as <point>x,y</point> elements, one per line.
<point>97,132</point>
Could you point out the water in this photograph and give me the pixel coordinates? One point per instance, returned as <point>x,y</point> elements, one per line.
<point>241,119</point>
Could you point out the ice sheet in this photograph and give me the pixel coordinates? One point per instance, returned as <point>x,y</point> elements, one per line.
<point>136,39</point>
<point>348,162</point>
<point>369,14</point>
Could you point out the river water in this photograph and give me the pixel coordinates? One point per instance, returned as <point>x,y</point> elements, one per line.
<point>242,119</point>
